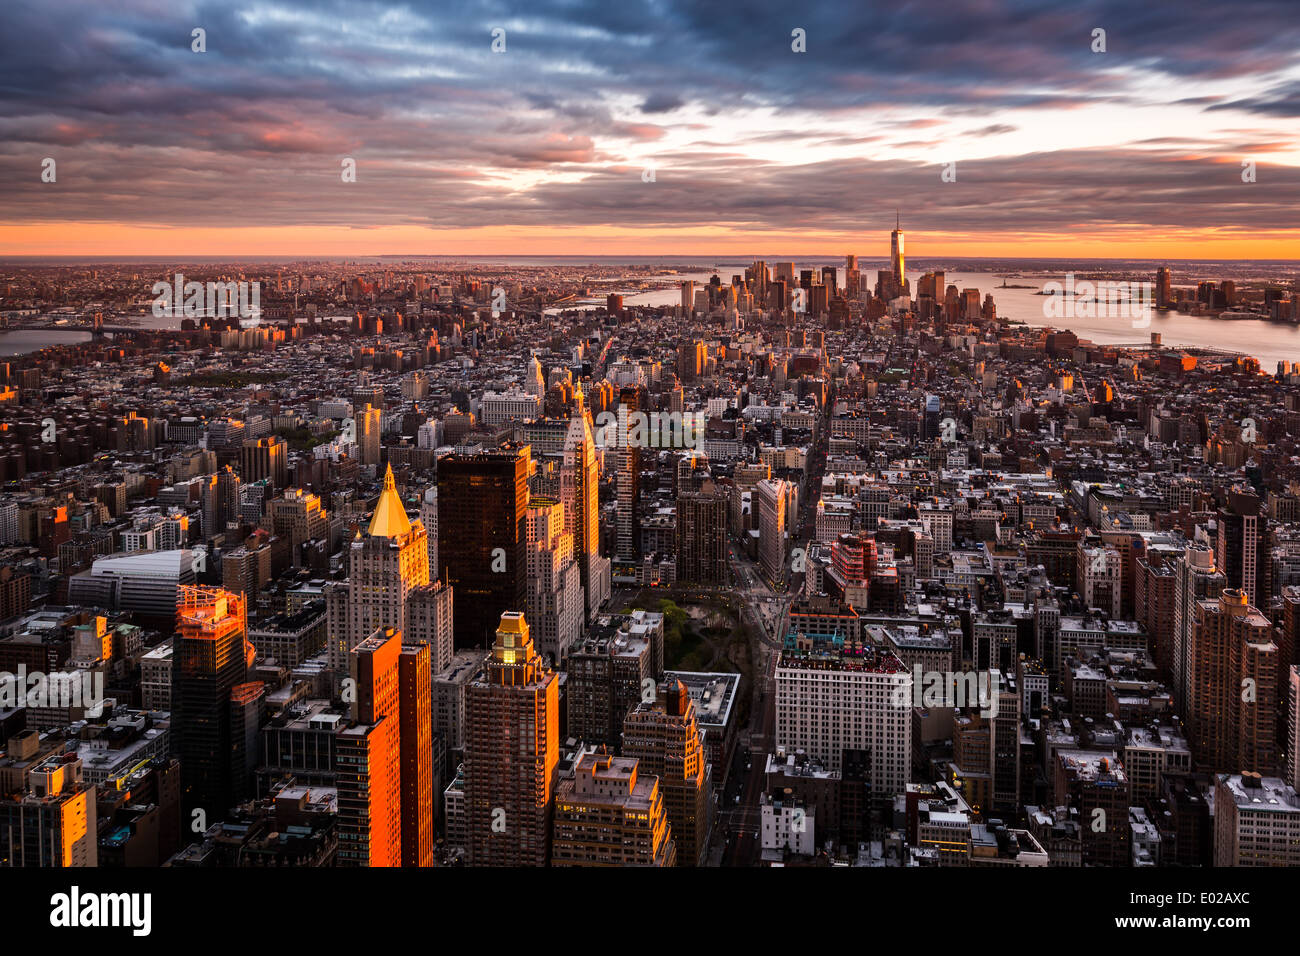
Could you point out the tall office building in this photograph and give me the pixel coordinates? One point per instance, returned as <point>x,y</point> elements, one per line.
<point>556,607</point>
<point>483,537</point>
<point>429,518</point>
<point>580,494</point>
<point>369,423</point>
<point>770,501</point>
<point>666,741</point>
<point>1235,686</point>
<point>896,264</point>
<point>1164,289</point>
<point>369,757</point>
<point>534,380</point>
<point>265,458</point>
<point>1195,579</point>
<point>210,658</point>
<point>702,537</point>
<point>429,619</point>
<point>415,676</point>
<point>611,814</point>
<point>384,566</point>
<point>627,477</point>
<point>219,502</point>
<point>298,517</point>
<point>511,753</point>
<point>691,358</point>
<point>829,702</point>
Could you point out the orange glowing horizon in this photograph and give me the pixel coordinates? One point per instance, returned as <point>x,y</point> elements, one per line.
<point>111,240</point>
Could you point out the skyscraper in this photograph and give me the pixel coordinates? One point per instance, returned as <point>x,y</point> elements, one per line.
<point>265,458</point>
<point>1195,579</point>
<point>511,753</point>
<point>483,537</point>
<point>211,656</point>
<point>580,495</point>
<point>702,537</point>
<point>665,738</point>
<point>50,822</point>
<point>369,757</point>
<point>627,476</point>
<point>896,254</point>
<point>770,502</point>
<point>369,422</point>
<point>384,566</point>
<point>1164,289</point>
<point>1235,686</point>
<point>429,620</point>
<point>1241,548</point>
<point>556,607</point>
<point>415,677</point>
<point>429,518</point>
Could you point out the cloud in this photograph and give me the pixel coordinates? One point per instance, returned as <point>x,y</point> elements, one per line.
<point>746,133</point>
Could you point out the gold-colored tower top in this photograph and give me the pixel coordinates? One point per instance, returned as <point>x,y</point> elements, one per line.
<point>389,519</point>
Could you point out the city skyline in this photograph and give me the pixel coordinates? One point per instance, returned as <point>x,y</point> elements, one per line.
<point>420,449</point>
<point>664,129</point>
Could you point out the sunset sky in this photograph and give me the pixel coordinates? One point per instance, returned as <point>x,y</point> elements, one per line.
<point>543,148</point>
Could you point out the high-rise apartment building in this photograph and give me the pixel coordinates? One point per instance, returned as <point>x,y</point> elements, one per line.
<point>1234,685</point>
<point>1293,726</point>
<point>1256,819</point>
<point>369,424</point>
<point>664,737</point>
<point>298,517</point>
<point>430,610</point>
<point>606,675</point>
<point>1196,579</point>
<point>429,518</point>
<point>511,753</point>
<point>1241,548</point>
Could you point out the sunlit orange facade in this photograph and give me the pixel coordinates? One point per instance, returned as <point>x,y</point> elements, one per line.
<point>370,822</point>
<point>511,753</point>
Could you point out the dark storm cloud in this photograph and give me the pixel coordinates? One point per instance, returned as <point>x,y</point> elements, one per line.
<point>1278,101</point>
